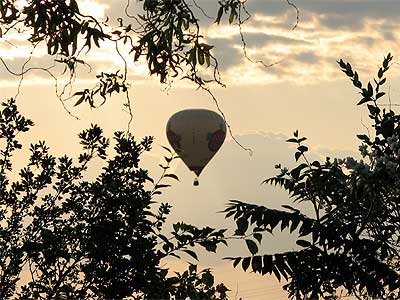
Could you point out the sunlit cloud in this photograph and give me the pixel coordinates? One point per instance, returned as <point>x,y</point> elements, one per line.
<point>305,55</point>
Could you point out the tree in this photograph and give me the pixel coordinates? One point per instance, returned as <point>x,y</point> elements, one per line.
<point>166,34</point>
<point>101,239</point>
<point>64,237</point>
<point>351,244</point>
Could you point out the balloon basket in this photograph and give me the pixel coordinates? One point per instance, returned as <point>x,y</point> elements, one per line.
<point>196,182</point>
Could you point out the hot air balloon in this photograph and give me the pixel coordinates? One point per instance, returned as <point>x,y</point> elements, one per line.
<point>196,135</point>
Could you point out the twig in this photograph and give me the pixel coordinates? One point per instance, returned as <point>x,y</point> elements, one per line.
<point>244,43</point>
<point>206,89</point>
<point>201,9</point>
<point>128,103</point>
<point>297,13</point>
<point>133,16</point>
<point>366,127</point>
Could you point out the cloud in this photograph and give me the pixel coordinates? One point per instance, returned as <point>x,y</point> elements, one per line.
<point>327,31</point>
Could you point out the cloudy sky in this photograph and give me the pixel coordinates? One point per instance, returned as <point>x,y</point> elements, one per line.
<point>305,91</point>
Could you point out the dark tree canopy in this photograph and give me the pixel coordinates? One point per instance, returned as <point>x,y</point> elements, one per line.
<point>64,237</point>
<point>351,244</point>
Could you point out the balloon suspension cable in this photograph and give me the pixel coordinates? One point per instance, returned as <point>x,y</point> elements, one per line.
<point>226,122</point>
<point>196,181</point>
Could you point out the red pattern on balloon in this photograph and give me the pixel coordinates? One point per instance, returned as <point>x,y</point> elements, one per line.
<point>174,139</point>
<point>216,140</point>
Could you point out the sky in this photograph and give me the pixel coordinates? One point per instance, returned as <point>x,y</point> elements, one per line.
<point>305,91</point>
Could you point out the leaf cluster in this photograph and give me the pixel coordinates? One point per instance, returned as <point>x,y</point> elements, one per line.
<point>108,83</point>
<point>60,24</point>
<point>74,238</point>
<point>231,8</point>
<point>352,242</point>
<point>198,285</point>
<point>166,34</point>
<point>170,40</point>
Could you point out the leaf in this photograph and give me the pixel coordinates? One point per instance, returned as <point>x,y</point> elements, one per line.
<point>290,208</point>
<point>379,95</point>
<point>306,228</point>
<point>370,89</point>
<point>174,255</point>
<point>176,226</point>
<point>292,140</point>
<point>256,264</point>
<point>267,264</point>
<point>236,261</point>
<point>302,148</point>
<point>281,266</point>
<point>80,100</point>
<point>229,213</point>
<point>252,246</point>
<point>316,164</point>
<point>295,173</point>
<point>342,64</point>
<point>380,73</point>
<point>386,62</point>
<point>297,155</point>
<point>273,220</point>
<point>356,81</point>
<point>192,268</point>
<point>364,100</point>
<point>192,56</point>
<point>208,279</point>
<point>96,40</point>
<point>316,235</point>
<point>295,223</point>
<point>200,56</point>
<point>172,176</point>
<point>285,222</point>
<point>209,246</point>
<point>349,70</point>
<point>257,236</point>
<point>160,186</point>
<point>364,138</point>
<point>302,139</point>
<point>246,263</point>
<point>191,253</point>
<point>163,167</point>
<point>357,84</point>
<point>208,59</point>
<point>219,15</point>
<point>233,15</point>
<point>242,225</point>
<point>303,243</point>
<point>276,273</point>
<point>374,110</point>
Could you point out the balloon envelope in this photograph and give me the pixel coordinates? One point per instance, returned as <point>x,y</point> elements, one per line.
<point>196,135</point>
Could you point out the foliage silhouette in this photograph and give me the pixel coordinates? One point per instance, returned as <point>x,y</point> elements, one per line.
<point>65,237</point>
<point>351,245</point>
<point>165,34</point>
